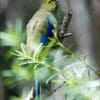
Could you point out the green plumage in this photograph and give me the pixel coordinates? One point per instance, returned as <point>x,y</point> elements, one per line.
<point>39,29</point>
<point>38,25</point>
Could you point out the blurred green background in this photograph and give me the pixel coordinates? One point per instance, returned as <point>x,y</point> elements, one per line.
<point>85,26</point>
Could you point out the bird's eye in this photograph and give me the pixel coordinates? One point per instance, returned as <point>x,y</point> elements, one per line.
<point>49,1</point>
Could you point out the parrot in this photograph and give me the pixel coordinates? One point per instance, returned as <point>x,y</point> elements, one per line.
<point>39,29</point>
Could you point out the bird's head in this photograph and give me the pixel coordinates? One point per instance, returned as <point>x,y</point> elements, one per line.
<point>52,5</point>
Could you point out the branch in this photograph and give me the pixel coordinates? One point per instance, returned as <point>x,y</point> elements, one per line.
<point>62,33</point>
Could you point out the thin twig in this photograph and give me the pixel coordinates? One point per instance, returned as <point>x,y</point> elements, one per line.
<point>62,33</point>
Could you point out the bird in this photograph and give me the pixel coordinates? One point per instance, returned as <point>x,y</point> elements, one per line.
<point>39,29</point>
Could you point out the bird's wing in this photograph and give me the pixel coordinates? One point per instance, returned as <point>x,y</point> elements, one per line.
<point>35,29</point>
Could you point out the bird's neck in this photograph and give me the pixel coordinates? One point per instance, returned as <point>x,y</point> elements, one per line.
<point>45,8</point>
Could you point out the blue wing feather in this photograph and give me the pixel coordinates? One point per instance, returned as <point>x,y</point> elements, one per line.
<point>49,33</point>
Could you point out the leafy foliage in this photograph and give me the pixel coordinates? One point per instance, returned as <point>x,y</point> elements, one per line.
<point>13,35</point>
<point>52,65</point>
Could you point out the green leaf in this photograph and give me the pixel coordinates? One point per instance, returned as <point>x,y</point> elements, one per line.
<point>50,78</point>
<point>8,73</point>
<point>23,48</point>
<point>8,39</point>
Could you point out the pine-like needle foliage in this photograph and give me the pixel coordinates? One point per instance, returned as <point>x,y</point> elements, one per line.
<point>57,67</point>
